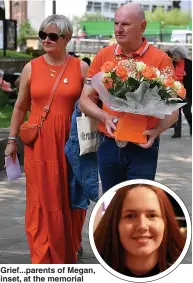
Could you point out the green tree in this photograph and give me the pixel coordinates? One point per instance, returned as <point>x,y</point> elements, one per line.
<point>176,17</point>
<point>158,14</point>
<point>25,30</point>
<point>172,17</point>
<point>76,25</point>
<point>96,17</point>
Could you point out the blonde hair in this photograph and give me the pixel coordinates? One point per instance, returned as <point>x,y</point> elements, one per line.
<point>63,24</point>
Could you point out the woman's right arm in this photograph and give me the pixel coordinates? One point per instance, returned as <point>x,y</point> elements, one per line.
<point>20,109</point>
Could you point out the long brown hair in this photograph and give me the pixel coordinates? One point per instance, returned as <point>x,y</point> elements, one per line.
<point>106,235</point>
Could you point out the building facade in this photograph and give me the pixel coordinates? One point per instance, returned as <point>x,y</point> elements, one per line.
<point>18,11</point>
<point>108,7</point>
<point>37,10</point>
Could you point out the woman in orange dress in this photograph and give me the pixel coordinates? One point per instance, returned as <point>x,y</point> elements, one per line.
<point>53,229</point>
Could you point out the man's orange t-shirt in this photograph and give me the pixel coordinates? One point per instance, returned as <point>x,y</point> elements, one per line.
<point>146,53</point>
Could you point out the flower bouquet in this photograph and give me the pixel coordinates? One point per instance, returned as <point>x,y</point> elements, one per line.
<point>132,87</point>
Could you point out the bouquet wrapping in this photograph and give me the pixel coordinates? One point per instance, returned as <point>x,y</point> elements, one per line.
<point>132,88</point>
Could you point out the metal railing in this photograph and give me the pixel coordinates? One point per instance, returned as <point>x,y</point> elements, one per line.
<point>92,46</point>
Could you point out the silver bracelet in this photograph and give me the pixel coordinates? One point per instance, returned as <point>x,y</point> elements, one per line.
<point>12,138</point>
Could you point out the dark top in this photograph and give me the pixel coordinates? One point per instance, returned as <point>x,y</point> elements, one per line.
<point>187,80</point>
<point>152,272</point>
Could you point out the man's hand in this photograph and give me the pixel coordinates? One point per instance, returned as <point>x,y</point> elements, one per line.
<point>151,136</point>
<point>110,122</point>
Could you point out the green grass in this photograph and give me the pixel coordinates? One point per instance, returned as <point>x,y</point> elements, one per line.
<point>14,54</point>
<point>5,116</point>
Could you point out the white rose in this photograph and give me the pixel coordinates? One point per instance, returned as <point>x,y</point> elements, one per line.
<point>140,66</point>
<point>177,85</point>
<point>123,63</point>
<point>158,73</point>
<point>108,75</point>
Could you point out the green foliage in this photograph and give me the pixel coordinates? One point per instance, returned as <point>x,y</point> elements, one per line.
<point>5,115</point>
<point>14,54</point>
<point>148,16</point>
<point>38,52</point>
<point>158,14</point>
<point>76,24</point>
<point>29,50</point>
<point>96,17</point>
<point>172,17</point>
<point>3,98</point>
<point>119,89</point>
<point>34,53</point>
<point>176,17</point>
<point>25,30</point>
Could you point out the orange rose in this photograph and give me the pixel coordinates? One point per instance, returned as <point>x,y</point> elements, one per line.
<point>181,92</point>
<point>108,82</point>
<point>122,72</point>
<point>149,72</point>
<point>107,67</point>
<point>168,81</point>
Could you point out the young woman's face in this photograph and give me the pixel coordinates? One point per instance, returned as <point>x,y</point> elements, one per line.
<point>141,226</point>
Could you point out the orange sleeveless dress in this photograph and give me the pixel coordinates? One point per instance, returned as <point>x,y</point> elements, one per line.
<point>53,229</point>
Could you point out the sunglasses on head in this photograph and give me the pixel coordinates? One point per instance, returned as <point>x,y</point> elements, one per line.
<point>52,36</point>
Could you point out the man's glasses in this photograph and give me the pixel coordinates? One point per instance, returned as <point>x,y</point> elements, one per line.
<point>52,36</point>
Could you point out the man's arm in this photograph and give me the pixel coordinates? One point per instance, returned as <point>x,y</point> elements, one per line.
<point>91,109</point>
<point>89,97</point>
<point>169,120</point>
<point>162,126</point>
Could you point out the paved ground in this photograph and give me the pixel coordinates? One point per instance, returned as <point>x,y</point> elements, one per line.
<point>174,170</point>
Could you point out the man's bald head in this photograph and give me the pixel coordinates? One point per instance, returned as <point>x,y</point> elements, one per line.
<point>129,26</point>
<point>134,9</point>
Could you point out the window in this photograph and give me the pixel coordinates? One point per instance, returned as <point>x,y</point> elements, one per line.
<point>145,7</point>
<point>106,6</point>
<point>114,7</point>
<point>97,7</point>
<point>159,6</point>
<point>154,7</point>
<point>89,7</point>
<point>16,3</point>
<point>176,4</point>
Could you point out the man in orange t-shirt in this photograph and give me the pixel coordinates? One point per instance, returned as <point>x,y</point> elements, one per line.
<point>135,161</point>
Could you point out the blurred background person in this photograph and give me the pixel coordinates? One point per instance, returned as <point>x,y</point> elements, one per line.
<point>87,60</point>
<point>183,72</point>
<point>71,53</point>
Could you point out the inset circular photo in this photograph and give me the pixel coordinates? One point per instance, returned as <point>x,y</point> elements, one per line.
<point>140,230</point>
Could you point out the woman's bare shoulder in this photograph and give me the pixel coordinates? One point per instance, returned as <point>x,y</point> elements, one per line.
<point>26,72</point>
<point>84,68</point>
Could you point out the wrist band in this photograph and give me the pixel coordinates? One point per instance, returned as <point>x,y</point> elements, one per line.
<point>12,142</point>
<point>12,138</point>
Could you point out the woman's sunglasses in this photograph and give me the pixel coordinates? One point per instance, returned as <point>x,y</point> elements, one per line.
<point>52,36</point>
